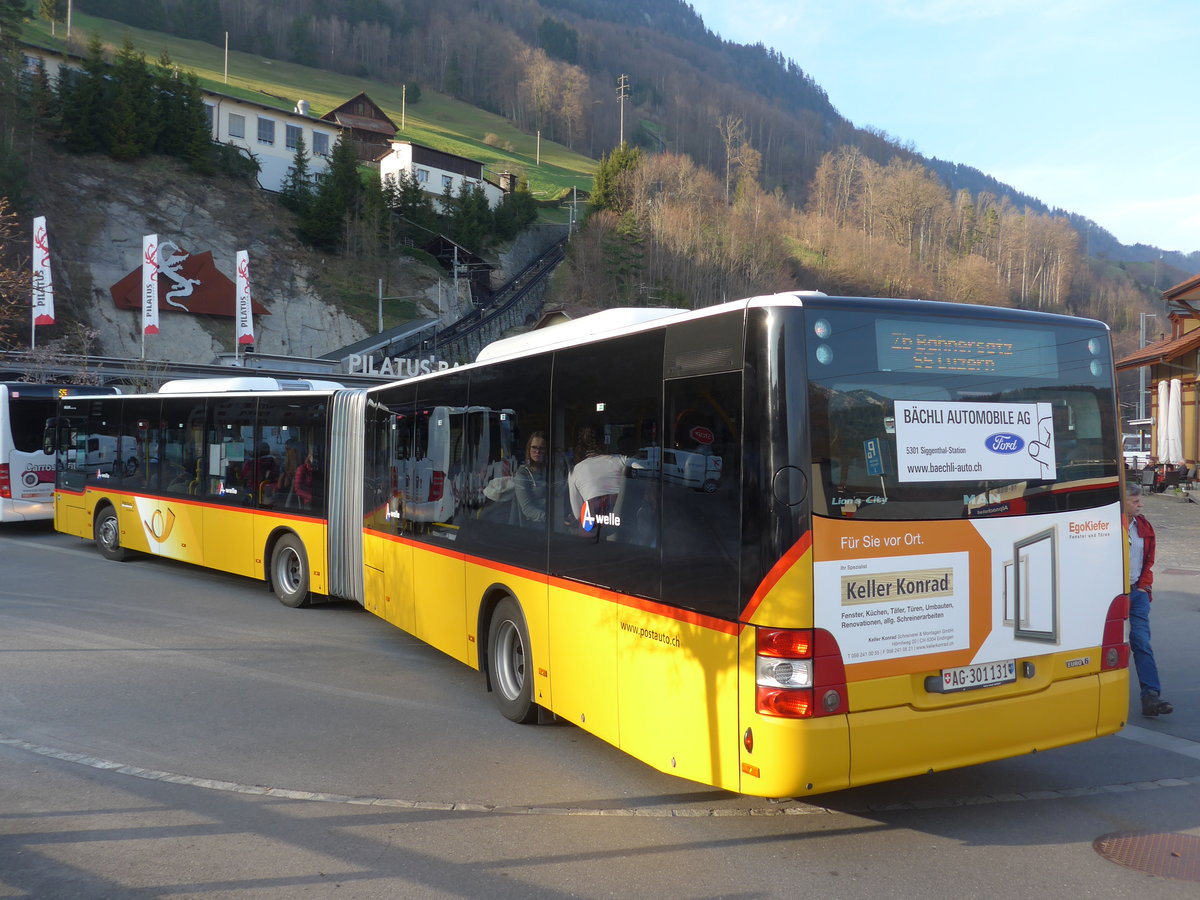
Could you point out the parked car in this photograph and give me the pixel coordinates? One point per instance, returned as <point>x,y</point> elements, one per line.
<point>701,471</point>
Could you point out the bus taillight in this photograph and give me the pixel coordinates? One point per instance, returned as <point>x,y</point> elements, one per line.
<point>1115,651</point>
<point>5,484</point>
<point>799,673</point>
<point>437,484</point>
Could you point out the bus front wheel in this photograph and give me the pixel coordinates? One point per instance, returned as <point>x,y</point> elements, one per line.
<point>106,531</point>
<point>510,662</point>
<point>289,571</point>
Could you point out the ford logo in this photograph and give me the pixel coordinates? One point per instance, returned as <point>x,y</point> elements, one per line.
<point>1003,443</point>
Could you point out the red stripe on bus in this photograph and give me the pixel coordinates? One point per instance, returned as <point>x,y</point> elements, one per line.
<point>687,616</point>
<point>155,498</point>
<point>778,570</point>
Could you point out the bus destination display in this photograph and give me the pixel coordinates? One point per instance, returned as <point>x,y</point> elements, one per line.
<point>983,349</point>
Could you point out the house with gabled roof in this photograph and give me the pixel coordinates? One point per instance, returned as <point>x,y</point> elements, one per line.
<point>368,126</point>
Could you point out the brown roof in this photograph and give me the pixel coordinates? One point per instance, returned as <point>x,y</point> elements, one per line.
<point>1179,291</point>
<point>363,123</point>
<point>1161,351</point>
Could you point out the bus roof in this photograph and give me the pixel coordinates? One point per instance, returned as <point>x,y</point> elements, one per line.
<point>36,389</point>
<point>246,383</point>
<point>619,320</point>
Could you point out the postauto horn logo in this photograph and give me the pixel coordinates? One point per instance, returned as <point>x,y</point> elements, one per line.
<point>1003,442</point>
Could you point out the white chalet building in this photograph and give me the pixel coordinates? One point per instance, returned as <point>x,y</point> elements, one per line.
<point>435,170</point>
<point>271,135</point>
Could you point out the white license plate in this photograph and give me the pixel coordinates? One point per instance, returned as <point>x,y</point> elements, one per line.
<point>966,678</point>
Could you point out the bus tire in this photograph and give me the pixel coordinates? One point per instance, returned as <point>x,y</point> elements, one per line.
<point>510,664</point>
<point>106,531</point>
<point>289,571</point>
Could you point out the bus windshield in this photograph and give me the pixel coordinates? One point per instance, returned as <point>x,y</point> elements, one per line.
<point>917,418</point>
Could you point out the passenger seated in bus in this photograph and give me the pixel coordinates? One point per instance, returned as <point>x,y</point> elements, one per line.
<point>291,462</point>
<point>260,471</point>
<point>305,481</point>
<point>530,482</point>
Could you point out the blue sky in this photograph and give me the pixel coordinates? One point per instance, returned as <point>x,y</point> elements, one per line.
<point>1089,105</point>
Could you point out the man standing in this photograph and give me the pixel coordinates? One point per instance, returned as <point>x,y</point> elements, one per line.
<point>1141,581</point>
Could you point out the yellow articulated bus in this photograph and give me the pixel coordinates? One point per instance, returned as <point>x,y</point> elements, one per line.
<point>781,546</point>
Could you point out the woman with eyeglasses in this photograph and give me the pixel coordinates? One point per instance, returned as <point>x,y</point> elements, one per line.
<point>530,480</point>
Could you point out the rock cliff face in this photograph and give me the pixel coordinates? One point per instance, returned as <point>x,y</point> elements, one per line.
<point>97,211</point>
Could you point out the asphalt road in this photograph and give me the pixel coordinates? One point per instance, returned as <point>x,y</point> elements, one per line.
<point>166,731</point>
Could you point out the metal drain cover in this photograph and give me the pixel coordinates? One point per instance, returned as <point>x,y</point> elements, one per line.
<point>1155,853</point>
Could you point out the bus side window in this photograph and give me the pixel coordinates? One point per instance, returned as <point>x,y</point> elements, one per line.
<point>701,493</point>
<point>99,444</point>
<point>182,445</point>
<point>606,408</point>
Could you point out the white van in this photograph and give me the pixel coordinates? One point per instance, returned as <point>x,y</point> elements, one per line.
<point>701,471</point>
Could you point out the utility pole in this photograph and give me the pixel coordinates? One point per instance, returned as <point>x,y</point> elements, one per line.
<point>622,93</point>
<point>1142,369</point>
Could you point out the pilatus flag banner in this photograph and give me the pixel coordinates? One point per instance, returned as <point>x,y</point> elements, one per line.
<point>150,284</point>
<point>43,286</point>
<point>245,323</point>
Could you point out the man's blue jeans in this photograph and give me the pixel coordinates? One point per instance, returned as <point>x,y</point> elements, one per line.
<point>1139,642</point>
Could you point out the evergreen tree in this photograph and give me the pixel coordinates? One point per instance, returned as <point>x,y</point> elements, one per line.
<point>133,125</point>
<point>338,196</point>
<point>516,210</point>
<point>85,100</point>
<point>608,190</point>
<point>44,110</point>
<point>624,255</point>
<point>13,14</point>
<point>470,217</point>
<point>167,106</point>
<point>194,124</point>
<point>297,192</point>
<point>413,207</point>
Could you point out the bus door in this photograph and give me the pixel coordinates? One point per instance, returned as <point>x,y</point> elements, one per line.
<point>230,466</point>
<point>388,529</point>
<point>677,661</point>
<point>70,515</point>
<point>604,524</point>
<point>438,478</point>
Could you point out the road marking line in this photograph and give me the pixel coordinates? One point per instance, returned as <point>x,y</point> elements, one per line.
<point>784,807</point>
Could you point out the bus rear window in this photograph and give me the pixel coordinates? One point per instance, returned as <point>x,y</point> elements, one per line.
<point>28,417</point>
<point>953,419</point>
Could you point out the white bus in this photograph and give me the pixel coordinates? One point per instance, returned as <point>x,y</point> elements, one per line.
<point>26,464</point>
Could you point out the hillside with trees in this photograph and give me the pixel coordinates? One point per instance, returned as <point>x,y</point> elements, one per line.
<point>738,176</point>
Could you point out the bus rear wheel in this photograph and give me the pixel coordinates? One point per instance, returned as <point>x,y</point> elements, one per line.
<point>106,531</point>
<point>510,663</point>
<point>289,571</point>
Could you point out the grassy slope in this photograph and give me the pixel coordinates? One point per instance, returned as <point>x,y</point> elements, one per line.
<point>436,121</point>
